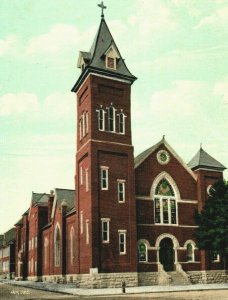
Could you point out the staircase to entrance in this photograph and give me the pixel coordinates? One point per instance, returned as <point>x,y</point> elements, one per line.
<point>177,278</point>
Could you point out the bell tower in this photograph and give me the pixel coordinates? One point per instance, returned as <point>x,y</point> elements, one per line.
<point>104,181</point>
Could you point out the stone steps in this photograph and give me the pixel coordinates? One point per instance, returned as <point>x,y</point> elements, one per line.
<point>177,279</point>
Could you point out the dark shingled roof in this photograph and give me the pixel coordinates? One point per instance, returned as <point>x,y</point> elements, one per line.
<point>95,58</point>
<point>20,222</point>
<point>145,154</point>
<point>10,235</point>
<point>39,198</point>
<point>65,195</point>
<point>1,239</point>
<point>203,160</point>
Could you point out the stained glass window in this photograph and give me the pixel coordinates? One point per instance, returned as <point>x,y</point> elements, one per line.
<point>164,188</point>
<point>142,252</point>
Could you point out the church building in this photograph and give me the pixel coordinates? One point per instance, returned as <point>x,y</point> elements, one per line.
<point>128,219</point>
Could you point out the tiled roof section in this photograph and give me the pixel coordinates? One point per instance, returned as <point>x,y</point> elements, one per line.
<point>20,222</point>
<point>203,160</point>
<point>1,239</point>
<point>26,212</point>
<point>95,58</point>
<point>143,156</point>
<point>10,235</point>
<point>39,198</point>
<point>65,195</point>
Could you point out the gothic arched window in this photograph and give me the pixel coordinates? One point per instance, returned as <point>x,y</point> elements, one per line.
<point>142,252</point>
<point>72,246</point>
<point>165,203</point>
<point>190,252</point>
<point>46,251</point>
<point>111,119</point>
<point>122,123</point>
<point>57,245</point>
<point>101,119</point>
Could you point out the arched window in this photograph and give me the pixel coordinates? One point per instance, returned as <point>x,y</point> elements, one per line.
<point>57,245</point>
<point>122,123</point>
<point>46,251</point>
<point>165,203</point>
<point>111,119</point>
<point>72,246</point>
<point>190,252</point>
<point>101,119</point>
<point>142,252</point>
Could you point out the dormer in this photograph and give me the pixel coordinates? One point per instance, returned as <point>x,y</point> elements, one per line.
<point>83,60</point>
<point>111,57</point>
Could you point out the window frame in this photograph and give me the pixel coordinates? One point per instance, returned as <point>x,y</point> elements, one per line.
<point>122,233</point>
<point>72,235</point>
<point>104,179</point>
<point>146,253</point>
<point>105,221</point>
<point>101,119</point>
<point>123,123</point>
<point>57,247</point>
<point>121,182</point>
<point>87,180</point>
<point>112,120</point>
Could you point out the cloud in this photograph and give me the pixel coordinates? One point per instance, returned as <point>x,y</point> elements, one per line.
<point>181,98</point>
<point>217,19</point>
<point>13,104</point>
<point>151,16</point>
<point>8,45</point>
<point>59,104</point>
<point>221,89</point>
<point>60,36</point>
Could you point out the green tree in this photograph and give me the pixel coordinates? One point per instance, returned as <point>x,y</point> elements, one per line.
<point>212,233</point>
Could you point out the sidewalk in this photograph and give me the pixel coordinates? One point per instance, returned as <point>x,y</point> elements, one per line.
<point>72,290</point>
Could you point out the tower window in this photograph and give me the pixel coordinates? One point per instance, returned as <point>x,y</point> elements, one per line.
<point>122,123</point>
<point>111,119</point>
<point>110,62</point>
<point>105,230</point>
<point>87,232</point>
<point>86,122</point>
<point>121,190</point>
<point>57,246</point>
<point>101,120</point>
<point>122,241</point>
<point>87,180</point>
<point>104,178</point>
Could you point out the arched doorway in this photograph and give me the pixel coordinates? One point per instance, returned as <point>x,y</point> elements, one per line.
<point>166,254</point>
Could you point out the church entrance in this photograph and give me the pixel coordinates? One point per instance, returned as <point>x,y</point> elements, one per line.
<point>166,254</point>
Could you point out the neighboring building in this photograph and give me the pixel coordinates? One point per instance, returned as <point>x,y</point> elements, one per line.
<point>7,254</point>
<point>128,219</point>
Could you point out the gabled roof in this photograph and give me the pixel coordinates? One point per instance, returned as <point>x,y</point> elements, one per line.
<point>10,235</point>
<point>39,198</point>
<point>1,239</point>
<point>203,160</point>
<point>143,156</point>
<point>96,58</point>
<point>65,195</point>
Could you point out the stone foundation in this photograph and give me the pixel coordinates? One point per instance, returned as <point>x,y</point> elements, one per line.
<point>96,280</point>
<point>110,280</point>
<point>213,276</point>
<point>147,278</point>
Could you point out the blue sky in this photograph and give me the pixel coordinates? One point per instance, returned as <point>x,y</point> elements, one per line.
<point>178,49</point>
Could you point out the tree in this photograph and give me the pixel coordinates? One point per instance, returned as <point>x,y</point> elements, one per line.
<point>212,233</point>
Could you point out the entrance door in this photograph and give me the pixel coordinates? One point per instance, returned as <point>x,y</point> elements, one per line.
<point>166,254</point>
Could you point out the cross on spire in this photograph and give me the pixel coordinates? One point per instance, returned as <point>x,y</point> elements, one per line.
<point>102,6</point>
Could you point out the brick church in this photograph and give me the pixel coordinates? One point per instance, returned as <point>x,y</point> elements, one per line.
<point>128,219</point>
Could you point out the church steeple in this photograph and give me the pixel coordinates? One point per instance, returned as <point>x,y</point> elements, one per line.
<point>104,58</point>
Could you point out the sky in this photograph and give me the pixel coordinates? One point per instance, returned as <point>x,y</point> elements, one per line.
<point>178,50</point>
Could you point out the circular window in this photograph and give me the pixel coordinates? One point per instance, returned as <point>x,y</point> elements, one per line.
<point>163,157</point>
<point>209,189</point>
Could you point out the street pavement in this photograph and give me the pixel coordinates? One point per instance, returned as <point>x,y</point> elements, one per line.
<point>72,290</point>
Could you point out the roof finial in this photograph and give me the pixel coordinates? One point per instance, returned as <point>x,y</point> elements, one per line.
<point>163,137</point>
<point>201,145</point>
<point>102,6</point>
